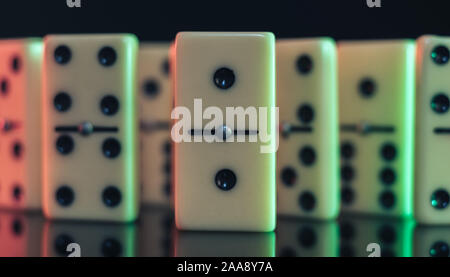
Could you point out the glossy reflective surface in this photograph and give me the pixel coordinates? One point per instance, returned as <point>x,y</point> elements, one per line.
<point>155,235</point>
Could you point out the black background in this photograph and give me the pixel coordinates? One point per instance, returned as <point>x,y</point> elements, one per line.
<point>161,20</point>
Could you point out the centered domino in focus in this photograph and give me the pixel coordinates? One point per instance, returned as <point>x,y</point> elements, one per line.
<point>225,186</point>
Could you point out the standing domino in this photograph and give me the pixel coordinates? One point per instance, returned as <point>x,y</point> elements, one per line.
<point>308,182</point>
<point>432,190</point>
<point>20,151</point>
<point>155,106</point>
<point>376,86</point>
<point>90,127</point>
<point>225,185</point>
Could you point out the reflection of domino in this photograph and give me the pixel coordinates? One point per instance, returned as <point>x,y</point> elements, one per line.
<point>224,70</point>
<point>222,244</point>
<point>156,228</point>
<point>20,92</point>
<point>432,241</point>
<point>20,234</point>
<point>307,238</point>
<point>393,236</point>
<point>66,239</point>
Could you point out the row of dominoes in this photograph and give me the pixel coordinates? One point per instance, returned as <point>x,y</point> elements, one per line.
<point>87,117</point>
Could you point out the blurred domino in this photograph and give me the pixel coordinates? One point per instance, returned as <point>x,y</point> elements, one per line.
<point>90,164</point>
<point>20,123</point>
<point>308,182</point>
<point>155,95</point>
<point>376,86</point>
<point>432,186</point>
